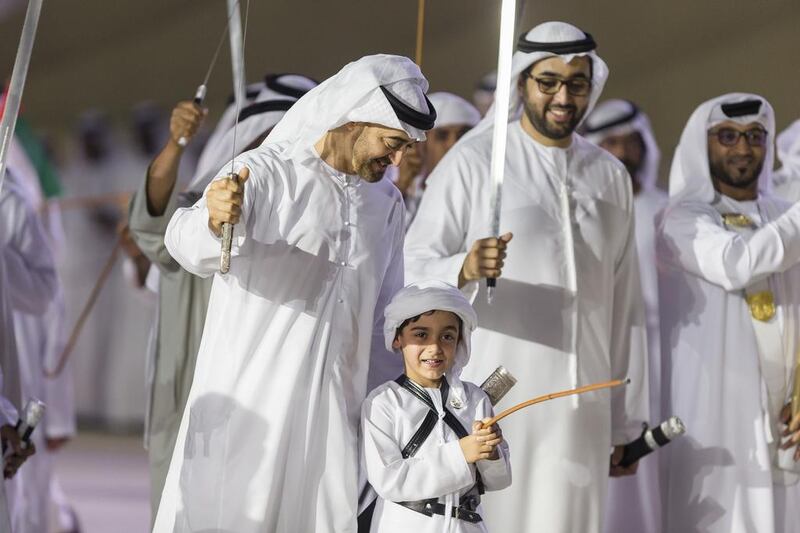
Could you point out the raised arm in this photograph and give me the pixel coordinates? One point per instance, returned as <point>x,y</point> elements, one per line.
<point>692,238</point>
<point>155,201</point>
<point>193,234</point>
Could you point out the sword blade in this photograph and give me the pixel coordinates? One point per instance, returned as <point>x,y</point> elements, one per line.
<point>18,76</point>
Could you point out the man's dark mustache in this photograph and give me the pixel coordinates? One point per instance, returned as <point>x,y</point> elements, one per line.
<point>739,160</point>
<point>563,107</point>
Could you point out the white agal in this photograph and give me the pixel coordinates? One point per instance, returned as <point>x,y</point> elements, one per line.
<point>568,311</point>
<point>721,476</point>
<point>390,417</point>
<point>269,438</point>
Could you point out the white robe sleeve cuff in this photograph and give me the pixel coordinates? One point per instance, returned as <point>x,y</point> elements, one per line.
<point>496,474</point>
<point>192,243</point>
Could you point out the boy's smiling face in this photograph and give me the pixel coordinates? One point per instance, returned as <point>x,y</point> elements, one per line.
<point>429,346</point>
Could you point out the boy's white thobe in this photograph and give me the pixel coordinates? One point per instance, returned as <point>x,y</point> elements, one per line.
<point>390,417</point>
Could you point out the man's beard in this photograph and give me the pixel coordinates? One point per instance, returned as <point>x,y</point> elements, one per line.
<point>551,130</point>
<point>372,170</point>
<point>739,181</point>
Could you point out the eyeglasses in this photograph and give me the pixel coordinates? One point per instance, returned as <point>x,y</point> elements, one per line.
<point>551,86</point>
<point>730,136</point>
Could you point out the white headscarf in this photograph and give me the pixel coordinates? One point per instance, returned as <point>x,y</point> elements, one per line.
<point>433,295</point>
<point>690,176</point>
<point>452,110</point>
<point>621,117</point>
<point>551,33</point>
<point>788,144</point>
<point>353,95</point>
<point>229,115</point>
<point>261,114</point>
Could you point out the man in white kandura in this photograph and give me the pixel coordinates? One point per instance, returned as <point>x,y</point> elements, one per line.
<point>568,310</point>
<point>183,297</point>
<point>729,292</point>
<point>269,437</point>
<point>622,129</point>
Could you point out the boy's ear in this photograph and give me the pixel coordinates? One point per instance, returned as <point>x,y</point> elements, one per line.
<point>396,343</point>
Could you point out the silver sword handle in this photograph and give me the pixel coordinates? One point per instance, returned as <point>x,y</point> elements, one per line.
<point>498,384</point>
<point>227,240</point>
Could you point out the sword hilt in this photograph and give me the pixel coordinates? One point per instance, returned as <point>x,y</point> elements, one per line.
<point>227,239</point>
<point>199,97</point>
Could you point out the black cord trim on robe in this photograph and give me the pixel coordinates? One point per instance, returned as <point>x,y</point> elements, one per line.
<point>424,432</point>
<point>408,114</point>
<point>272,81</point>
<point>627,117</point>
<point>742,109</point>
<point>265,107</point>
<point>586,44</point>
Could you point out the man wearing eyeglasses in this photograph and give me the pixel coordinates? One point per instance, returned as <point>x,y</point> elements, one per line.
<point>568,308</point>
<point>730,318</point>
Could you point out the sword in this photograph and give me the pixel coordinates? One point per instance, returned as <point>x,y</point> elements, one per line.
<point>237,53</point>
<point>501,101</point>
<point>18,75</point>
<point>200,93</point>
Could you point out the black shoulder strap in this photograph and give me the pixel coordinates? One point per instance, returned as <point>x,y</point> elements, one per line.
<point>428,423</point>
<point>425,429</point>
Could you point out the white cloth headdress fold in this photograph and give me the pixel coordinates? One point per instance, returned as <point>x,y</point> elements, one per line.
<point>690,176</point>
<point>788,144</point>
<point>554,33</point>
<point>452,110</point>
<point>277,95</point>
<point>621,117</point>
<point>419,298</point>
<point>353,95</point>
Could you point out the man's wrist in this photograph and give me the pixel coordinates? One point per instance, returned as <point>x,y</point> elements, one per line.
<point>174,146</point>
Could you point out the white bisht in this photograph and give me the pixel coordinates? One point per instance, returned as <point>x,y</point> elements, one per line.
<point>391,416</point>
<point>634,503</point>
<point>268,440</point>
<point>786,180</point>
<point>568,309</point>
<point>721,477</point>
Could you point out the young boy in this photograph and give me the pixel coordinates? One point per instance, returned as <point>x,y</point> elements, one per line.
<point>428,469</point>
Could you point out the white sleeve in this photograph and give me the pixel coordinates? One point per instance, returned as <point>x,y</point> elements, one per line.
<point>434,471</point>
<point>191,242</point>
<point>695,241</point>
<point>496,474</point>
<point>30,267</point>
<point>436,240</point>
